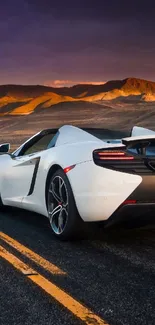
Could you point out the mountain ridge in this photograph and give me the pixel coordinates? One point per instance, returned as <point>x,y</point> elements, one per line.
<point>30,96</point>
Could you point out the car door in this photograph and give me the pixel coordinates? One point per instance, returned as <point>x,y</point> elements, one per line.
<point>18,181</point>
<point>18,178</point>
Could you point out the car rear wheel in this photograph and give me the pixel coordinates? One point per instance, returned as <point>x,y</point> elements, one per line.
<point>62,212</point>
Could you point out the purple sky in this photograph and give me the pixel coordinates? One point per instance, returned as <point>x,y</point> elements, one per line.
<point>44,40</point>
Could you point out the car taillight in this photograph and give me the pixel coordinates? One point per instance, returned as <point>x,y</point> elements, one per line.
<point>113,155</point>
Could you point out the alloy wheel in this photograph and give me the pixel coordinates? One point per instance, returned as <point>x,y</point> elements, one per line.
<point>58,205</point>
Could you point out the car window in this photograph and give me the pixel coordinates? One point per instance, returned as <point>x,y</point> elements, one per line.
<point>45,142</point>
<point>53,141</point>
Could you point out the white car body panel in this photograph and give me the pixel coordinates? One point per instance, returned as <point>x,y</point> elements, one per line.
<point>139,131</point>
<point>98,191</point>
<point>17,180</point>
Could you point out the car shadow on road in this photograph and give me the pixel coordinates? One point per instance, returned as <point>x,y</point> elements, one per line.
<point>127,233</point>
<point>97,247</point>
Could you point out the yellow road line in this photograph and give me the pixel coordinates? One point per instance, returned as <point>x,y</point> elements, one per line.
<point>18,264</point>
<point>80,311</point>
<point>70,303</point>
<point>31,255</point>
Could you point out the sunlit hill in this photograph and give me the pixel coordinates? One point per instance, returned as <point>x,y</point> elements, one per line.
<point>25,100</point>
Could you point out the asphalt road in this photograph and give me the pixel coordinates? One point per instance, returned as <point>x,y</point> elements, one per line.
<point>111,273</point>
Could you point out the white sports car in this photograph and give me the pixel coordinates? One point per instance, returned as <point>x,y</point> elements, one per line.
<point>74,175</point>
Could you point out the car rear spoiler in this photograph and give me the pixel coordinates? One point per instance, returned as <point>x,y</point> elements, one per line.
<point>138,140</point>
<point>139,143</point>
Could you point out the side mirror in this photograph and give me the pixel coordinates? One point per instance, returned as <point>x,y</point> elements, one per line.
<point>4,147</point>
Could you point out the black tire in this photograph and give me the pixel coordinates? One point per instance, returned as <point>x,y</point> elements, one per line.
<point>72,222</point>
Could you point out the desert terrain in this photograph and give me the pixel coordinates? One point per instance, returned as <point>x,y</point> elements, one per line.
<point>120,104</point>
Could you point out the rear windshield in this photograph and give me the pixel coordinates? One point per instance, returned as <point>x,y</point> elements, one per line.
<point>112,136</point>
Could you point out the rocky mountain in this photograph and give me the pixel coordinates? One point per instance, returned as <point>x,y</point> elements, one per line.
<point>25,100</point>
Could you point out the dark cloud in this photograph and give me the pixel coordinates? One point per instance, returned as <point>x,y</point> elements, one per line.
<point>95,10</point>
<point>100,40</point>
